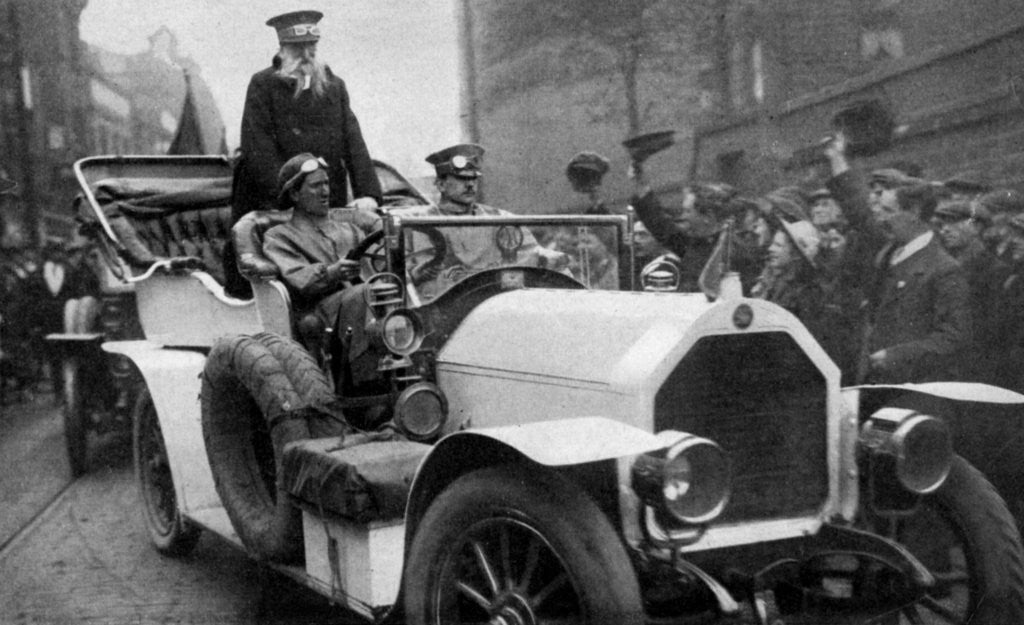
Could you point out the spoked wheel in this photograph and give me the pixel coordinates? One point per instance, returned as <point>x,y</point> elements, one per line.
<point>169,531</point>
<point>76,418</point>
<point>503,547</point>
<point>967,538</point>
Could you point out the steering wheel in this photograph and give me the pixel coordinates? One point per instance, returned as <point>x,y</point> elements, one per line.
<point>371,247</point>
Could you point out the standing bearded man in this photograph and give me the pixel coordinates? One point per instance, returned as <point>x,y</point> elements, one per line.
<point>298,105</point>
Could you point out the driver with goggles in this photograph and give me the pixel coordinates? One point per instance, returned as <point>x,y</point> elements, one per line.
<point>310,253</point>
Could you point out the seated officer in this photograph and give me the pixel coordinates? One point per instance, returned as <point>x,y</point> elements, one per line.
<point>309,250</point>
<point>470,249</point>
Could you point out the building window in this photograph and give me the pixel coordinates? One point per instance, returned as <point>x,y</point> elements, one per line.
<point>757,71</point>
<point>747,73</point>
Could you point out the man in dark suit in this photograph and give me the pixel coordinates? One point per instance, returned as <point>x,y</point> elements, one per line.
<point>918,302</point>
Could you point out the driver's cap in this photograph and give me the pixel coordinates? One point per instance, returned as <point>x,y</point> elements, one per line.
<point>461,160</point>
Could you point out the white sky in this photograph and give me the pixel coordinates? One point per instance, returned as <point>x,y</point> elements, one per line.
<point>399,59</point>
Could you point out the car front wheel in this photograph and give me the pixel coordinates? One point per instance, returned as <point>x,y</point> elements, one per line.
<point>967,538</point>
<point>503,545</point>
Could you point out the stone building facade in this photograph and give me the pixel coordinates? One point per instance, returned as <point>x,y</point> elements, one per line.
<point>948,71</point>
<point>745,83</point>
<point>543,80</point>
<point>62,100</point>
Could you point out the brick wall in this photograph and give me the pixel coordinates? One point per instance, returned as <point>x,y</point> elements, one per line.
<point>956,96</point>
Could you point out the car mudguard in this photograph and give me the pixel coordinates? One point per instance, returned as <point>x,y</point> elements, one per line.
<point>593,439</point>
<point>173,379</point>
<point>956,391</point>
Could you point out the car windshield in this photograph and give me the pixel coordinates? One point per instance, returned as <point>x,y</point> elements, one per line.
<point>442,251</point>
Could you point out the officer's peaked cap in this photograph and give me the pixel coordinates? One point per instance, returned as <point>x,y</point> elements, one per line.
<point>460,160</point>
<point>297,26</point>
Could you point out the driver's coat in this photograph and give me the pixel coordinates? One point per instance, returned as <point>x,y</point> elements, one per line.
<point>304,251</point>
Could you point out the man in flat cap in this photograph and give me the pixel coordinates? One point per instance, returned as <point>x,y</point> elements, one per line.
<point>586,172</point>
<point>918,302</point>
<point>959,224</point>
<point>299,105</point>
<point>458,170</point>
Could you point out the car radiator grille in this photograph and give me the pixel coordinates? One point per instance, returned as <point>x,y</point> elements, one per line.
<point>764,402</point>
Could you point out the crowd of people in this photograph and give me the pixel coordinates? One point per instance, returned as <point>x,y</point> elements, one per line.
<point>36,286</point>
<point>900,278</point>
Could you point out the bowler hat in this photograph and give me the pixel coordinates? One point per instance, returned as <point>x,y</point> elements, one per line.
<point>893,178</point>
<point>462,160</point>
<point>297,26</point>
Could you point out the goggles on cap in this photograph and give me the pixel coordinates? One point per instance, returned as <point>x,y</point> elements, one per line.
<point>308,166</point>
<point>300,30</point>
<point>313,164</point>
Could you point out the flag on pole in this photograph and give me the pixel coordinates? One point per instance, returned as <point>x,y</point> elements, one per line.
<point>189,137</point>
<point>710,280</point>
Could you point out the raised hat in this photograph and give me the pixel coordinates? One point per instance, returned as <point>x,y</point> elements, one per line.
<point>641,147</point>
<point>297,26</point>
<point>461,160</point>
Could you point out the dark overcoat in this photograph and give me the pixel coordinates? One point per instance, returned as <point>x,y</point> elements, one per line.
<point>276,126</point>
<point>918,310</point>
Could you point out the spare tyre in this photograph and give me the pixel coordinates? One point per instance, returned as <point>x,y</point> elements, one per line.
<point>250,411</point>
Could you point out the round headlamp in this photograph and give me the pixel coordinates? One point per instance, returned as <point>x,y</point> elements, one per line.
<point>402,331</point>
<point>690,484</point>
<point>421,411</point>
<point>914,448</point>
<point>695,482</point>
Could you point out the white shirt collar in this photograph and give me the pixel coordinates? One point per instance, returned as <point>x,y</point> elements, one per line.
<point>914,245</point>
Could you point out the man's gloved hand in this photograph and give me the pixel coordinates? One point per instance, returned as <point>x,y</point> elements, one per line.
<point>364,203</point>
<point>554,260</point>
<point>425,272</point>
<point>345,269</point>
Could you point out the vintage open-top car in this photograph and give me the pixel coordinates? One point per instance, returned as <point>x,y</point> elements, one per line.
<point>537,443</point>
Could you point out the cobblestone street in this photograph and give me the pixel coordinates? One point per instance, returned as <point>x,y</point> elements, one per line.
<point>77,552</point>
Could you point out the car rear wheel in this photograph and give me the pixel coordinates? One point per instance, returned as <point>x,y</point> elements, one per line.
<point>76,419</point>
<point>506,546</point>
<point>170,532</point>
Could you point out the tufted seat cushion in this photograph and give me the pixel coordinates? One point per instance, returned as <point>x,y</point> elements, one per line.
<point>247,235</point>
<point>154,218</point>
